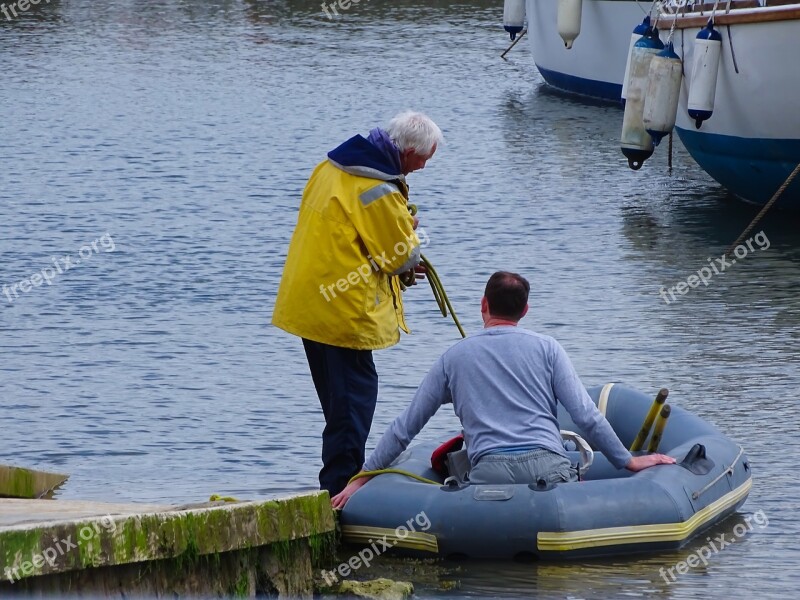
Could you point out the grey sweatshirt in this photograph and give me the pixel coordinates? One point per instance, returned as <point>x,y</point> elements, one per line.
<point>504,383</point>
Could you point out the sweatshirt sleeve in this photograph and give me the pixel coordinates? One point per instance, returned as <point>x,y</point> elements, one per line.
<point>572,394</point>
<point>432,393</point>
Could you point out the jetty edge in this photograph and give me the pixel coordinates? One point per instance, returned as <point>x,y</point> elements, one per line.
<point>267,546</point>
<point>19,482</point>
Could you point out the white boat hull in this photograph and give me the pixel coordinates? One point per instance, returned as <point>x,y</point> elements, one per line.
<point>595,65</point>
<point>751,143</point>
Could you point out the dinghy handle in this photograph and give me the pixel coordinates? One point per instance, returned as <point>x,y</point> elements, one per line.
<point>587,454</point>
<point>727,471</point>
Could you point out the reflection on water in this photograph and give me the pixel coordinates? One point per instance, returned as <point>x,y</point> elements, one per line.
<point>187,130</point>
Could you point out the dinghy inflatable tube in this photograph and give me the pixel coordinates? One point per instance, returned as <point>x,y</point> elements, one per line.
<point>610,512</point>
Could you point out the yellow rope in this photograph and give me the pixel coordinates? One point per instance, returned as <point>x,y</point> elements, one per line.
<point>397,471</point>
<point>436,285</point>
<point>439,294</point>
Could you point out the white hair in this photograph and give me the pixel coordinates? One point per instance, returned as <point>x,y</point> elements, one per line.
<point>416,131</point>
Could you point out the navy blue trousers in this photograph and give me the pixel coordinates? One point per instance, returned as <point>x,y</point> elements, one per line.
<point>347,386</point>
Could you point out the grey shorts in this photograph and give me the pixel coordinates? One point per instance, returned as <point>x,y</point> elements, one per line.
<point>535,466</point>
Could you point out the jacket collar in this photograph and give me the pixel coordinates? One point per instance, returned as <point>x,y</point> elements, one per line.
<point>357,156</point>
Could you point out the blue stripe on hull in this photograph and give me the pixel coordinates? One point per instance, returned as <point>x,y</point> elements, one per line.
<point>753,169</point>
<point>603,90</point>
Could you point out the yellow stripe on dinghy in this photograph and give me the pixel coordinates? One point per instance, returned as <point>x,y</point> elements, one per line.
<point>415,540</point>
<point>562,541</point>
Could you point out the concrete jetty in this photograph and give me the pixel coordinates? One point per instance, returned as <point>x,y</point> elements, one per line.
<point>17,482</point>
<point>213,548</point>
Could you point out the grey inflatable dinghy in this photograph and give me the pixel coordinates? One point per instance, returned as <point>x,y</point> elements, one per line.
<point>609,512</point>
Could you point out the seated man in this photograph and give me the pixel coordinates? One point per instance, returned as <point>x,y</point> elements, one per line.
<point>504,383</point>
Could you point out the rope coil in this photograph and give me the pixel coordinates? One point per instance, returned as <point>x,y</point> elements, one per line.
<point>395,471</point>
<point>442,301</point>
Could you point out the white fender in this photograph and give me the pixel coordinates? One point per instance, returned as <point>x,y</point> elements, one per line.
<point>637,34</point>
<point>663,93</point>
<point>513,17</point>
<point>569,20</point>
<point>636,143</point>
<point>703,78</point>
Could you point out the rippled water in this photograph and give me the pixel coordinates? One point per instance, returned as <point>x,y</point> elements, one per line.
<point>184,132</point>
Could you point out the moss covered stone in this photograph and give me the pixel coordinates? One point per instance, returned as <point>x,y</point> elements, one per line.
<point>378,589</point>
<point>16,482</point>
<point>181,536</point>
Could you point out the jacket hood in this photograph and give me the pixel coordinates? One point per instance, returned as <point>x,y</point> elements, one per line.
<point>358,156</point>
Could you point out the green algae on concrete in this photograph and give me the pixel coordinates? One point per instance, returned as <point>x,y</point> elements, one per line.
<point>237,574</point>
<point>15,548</point>
<point>183,539</point>
<point>16,482</point>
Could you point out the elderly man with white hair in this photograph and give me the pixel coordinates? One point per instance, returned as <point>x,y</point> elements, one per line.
<point>341,286</point>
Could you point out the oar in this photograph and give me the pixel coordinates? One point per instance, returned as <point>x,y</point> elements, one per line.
<point>648,420</point>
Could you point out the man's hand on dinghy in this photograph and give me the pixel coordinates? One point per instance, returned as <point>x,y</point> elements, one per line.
<point>638,463</point>
<point>340,499</point>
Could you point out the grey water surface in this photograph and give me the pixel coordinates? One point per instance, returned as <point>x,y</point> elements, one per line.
<point>177,137</point>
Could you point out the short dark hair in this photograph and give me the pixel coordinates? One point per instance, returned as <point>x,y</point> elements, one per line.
<point>507,295</point>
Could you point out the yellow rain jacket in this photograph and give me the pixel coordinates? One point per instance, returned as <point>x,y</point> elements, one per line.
<point>353,235</point>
